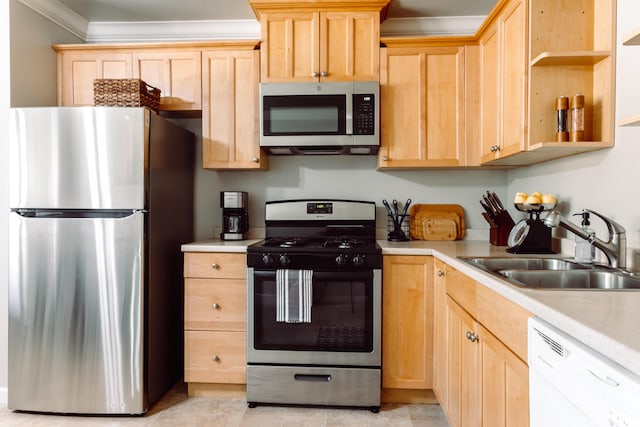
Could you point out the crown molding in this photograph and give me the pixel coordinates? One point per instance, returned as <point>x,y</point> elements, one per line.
<point>114,32</point>
<point>432,26</point>
<point>243,29</point>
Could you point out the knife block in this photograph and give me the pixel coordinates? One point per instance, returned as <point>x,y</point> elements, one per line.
<point>499,236</point>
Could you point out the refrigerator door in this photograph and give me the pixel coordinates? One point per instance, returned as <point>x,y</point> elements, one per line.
<point>75,314</point>
<point>78,157</point>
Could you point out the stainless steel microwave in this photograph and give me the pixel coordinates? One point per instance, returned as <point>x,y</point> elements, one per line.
<point>320,118</point>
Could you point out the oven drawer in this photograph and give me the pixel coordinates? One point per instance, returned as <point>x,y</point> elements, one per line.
<point>215,265</point>
<point>313,385</point>
<point>215,304</point>
<point>215,357</point>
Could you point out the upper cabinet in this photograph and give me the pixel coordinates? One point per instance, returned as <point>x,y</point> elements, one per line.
<point>632,39</point>
<point>422,84</point>
<point>569,48</point>
<point>174,70</point>
<point>319,41</point>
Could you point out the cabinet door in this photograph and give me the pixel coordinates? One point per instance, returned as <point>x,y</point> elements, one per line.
<point>407,322</point>
<point>505,384</point>
<point>440,325</point>
<point>349,46</point>
<point>422,96</point>
<point>290,47</point>
<point>177,75</point>
<point>490,104</point>
<point>464,379</point>
<point>77,71</point>
<point>230,136</point>
<point>514,78</point>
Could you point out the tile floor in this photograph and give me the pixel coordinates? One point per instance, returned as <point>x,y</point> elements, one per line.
<point>177,409</point>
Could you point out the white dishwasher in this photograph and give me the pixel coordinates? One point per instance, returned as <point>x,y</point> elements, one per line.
<point>572,385</point>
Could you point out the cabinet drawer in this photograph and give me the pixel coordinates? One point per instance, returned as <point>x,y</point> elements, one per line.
<point>215,357</point>
<point>215,265</point>
<point>219,304</point>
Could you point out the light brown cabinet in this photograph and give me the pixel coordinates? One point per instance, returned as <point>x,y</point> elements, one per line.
<point>175,71</point>
<point>319,41</point>
<point>230,116</point>
<point>480,373</point>
<point>215,318</point>
<point>422,92</point>
<point>565,49</point>
<point>407,322</point>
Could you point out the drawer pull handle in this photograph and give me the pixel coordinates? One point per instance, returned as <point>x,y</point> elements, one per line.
<point>312,377</point>
<point>215,266</point>
<point>440,273</point>
<point>472,337</point>
<point>215,358</point>
<point>215,306</point>
<point>255,159</point>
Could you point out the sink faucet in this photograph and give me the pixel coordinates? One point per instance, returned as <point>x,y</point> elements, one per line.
<point>615,248</point>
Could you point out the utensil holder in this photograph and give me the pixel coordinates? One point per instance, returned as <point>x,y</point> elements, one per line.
<point>398,228</point>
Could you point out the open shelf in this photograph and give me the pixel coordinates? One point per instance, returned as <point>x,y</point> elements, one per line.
<point>630,121</point>
<point>587,57</point>
<point>632,39</point>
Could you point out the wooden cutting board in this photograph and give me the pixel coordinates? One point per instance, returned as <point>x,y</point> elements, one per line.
<point>436,222</point>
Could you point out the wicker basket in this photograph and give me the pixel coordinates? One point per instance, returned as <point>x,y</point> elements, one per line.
<point>125,93</point>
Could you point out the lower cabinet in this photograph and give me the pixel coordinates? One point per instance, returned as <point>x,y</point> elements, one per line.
<point>407,322</point>
<point>480,373</point>
<point>215,318</point>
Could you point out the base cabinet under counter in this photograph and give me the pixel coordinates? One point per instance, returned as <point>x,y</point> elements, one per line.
<point>215,323</point>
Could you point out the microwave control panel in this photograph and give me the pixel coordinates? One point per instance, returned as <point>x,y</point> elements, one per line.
<point>364,112</point>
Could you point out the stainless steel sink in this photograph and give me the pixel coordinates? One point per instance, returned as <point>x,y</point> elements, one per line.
<point>495,264</point>
<point>572,279</point>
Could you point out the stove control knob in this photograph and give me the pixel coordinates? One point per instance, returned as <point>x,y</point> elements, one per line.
<point>267,259</point>
<point>342,260</point>
<point>284,260</point>
<point>358,260</point>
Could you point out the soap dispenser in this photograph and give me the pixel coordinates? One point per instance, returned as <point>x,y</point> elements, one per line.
<point>585,251</point>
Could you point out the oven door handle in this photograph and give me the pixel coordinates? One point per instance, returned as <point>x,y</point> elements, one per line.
<point>312,377</point>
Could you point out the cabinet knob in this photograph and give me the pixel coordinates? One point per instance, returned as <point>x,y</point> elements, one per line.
<point>324,74</point>
<point>315,74</point>
<point>255,159</point>
<point>215,266</point>
<point>215,358</point>
<point>385,158</point>
<point>495,148</point>
<point>472,337</point>
<point>440,273</point>
<point>215,306</point>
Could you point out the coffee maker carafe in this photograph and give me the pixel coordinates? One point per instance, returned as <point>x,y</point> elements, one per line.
<point>235,217</point>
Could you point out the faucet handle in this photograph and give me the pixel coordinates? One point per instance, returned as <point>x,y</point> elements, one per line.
<point>614,227</point>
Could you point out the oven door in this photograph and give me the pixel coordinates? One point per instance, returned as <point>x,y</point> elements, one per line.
<point>344,328</point>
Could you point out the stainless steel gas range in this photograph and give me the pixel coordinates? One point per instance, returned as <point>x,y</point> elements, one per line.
<point>314,306</point>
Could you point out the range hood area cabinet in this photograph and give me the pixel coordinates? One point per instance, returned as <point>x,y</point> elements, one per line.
<point>422,95</point>
<point>322,40</point>
<point>532,52</point>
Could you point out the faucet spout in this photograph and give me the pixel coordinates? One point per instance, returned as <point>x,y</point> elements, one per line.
<point>615,248</point>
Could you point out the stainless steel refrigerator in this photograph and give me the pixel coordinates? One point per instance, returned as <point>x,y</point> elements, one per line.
<point>101,199</point>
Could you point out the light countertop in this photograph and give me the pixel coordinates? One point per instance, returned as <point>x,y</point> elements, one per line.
<point>607,321</point>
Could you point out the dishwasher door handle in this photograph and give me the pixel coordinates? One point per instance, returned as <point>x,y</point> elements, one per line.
<point>607,379</point>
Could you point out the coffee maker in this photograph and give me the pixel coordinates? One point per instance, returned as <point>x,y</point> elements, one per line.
<point>235,217</point>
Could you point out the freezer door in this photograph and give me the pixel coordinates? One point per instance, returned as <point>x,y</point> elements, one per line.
<point>75,314</point>
<point>78,157</point>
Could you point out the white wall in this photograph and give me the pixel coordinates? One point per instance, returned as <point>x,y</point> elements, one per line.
<point>607,180</point>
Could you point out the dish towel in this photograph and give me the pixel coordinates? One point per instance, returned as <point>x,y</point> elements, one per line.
<point>293,295</point>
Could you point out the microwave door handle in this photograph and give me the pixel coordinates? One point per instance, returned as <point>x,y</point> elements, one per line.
<point>349,114</point>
